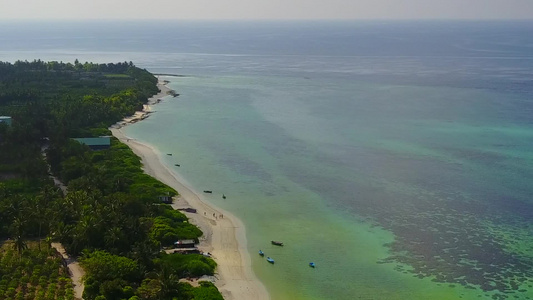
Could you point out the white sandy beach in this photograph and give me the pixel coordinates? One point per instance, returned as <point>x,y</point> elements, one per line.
<point>224,237</point>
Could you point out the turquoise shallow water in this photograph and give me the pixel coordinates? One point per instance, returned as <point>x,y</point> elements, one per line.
<point>379,191</point>
<point>395,155</point>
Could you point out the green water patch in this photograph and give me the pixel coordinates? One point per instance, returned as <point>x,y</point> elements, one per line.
<point>452,246</point>
<point>440,234</point>
<point>490,129</point>
<point>400,147</point>
<point>462,246</point>
<point>385,213</point>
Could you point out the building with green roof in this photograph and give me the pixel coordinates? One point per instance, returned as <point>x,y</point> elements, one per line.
<point>6,120</point>
<point>97,143</point>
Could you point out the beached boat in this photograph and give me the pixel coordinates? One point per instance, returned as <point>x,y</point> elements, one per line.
<point>261,253</point>
<point>276,243</point>
<point>270,260</point>
<point>208,192</point>
<point>312,264</point>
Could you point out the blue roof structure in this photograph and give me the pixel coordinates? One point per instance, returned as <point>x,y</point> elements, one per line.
<point>6,119</point>
<point>97,143</point>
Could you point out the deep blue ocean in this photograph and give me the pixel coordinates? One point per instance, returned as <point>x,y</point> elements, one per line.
<point>398,156</point>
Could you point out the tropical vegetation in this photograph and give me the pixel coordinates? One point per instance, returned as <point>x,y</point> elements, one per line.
<point>33,273</point>
<point>109,215</point>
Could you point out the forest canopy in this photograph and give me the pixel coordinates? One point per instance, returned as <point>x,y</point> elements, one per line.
<point>109,214</point>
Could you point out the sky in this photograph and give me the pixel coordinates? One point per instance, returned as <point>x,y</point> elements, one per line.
<point>265,9</point>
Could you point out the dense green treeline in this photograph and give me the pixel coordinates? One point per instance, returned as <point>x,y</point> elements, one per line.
<point>110,214</point>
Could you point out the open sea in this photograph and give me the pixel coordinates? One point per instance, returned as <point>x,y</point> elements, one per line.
<point>397,156</point>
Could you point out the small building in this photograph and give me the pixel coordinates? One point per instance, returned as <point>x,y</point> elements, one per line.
<point>185,247</point>
<point>166,199</point>
<point>6,120</point>
<point>98,143</point>
<point>185,244</point>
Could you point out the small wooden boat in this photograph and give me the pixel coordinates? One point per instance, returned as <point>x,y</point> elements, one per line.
<point>270,260</point>
<point>208,192</point>
<point>177,165</point>
<point>261,253</point>
<point>223,196</point>
<point>312,264</point>
<point>169,154</point>
<point>276,243</point>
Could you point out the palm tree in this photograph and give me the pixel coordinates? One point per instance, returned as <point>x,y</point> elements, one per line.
<point>169,282</point>
<point>16,210</point>
<point>82,233</point>
<point>112,238</point>
<point>18,229</point>
<point>40,208</point>
<point>19,244</point>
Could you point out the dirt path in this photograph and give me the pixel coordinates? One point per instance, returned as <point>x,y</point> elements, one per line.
<point>56,180</point>
<point>75,270</point>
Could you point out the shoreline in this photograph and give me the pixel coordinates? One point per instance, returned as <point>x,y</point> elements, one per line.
<point>147,108</point>
<point>224,237</point>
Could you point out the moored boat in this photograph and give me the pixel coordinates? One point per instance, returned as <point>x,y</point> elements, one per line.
<point>277,243</point>
<point>261,253</point>
<point>312,264</point>
<point>270,260</point>
<point>208,192</point>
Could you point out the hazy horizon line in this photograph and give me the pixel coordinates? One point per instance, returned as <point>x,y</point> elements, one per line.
<point>265,20</point>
